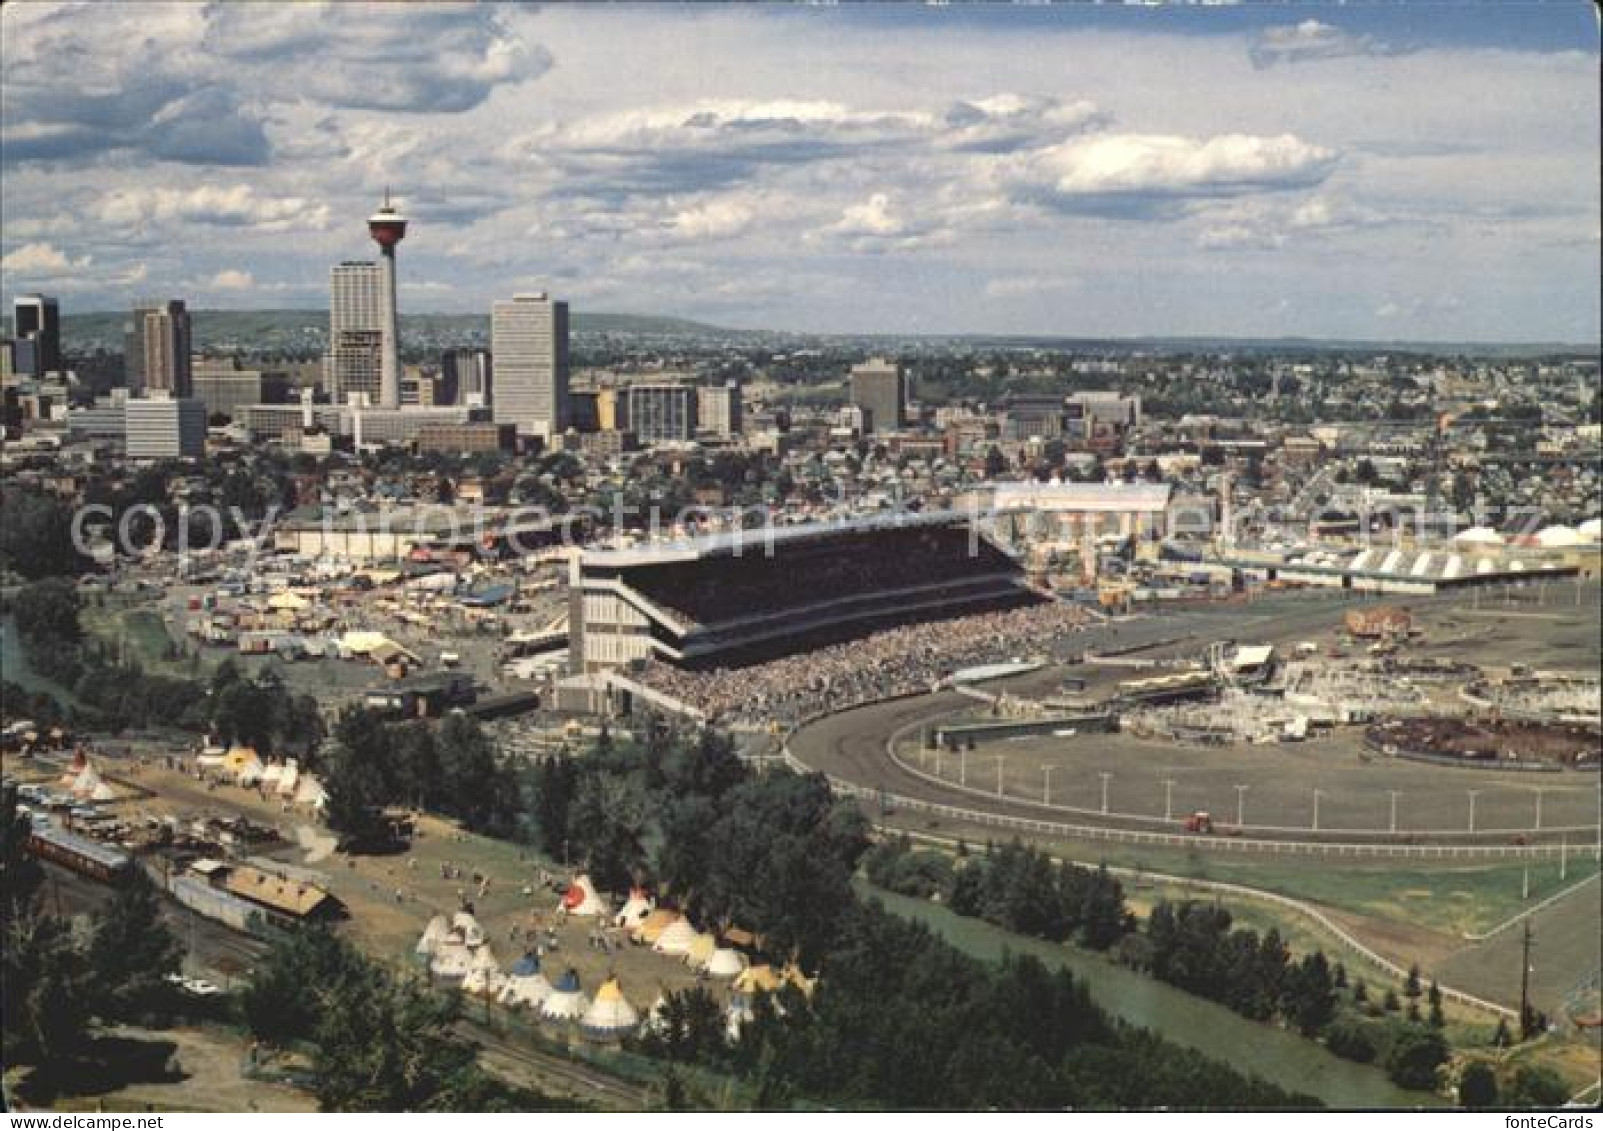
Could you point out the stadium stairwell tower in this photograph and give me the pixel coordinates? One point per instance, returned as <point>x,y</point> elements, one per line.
<point>388,228</point>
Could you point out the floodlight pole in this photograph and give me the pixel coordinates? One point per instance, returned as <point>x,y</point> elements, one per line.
<point>1473,794</point>
<point>1048,795</point>
<point>1105,779</point>
<point>1241,802</point>
<point>1394,796</point>
<point>1317,795</point>
<point>1168,799</point>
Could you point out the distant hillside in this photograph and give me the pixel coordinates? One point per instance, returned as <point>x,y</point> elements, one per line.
<point>267,327</point>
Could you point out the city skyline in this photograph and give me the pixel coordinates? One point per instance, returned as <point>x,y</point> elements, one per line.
<point>1314,171</point>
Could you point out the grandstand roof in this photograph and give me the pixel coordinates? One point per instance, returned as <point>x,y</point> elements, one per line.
<point>755,541</point>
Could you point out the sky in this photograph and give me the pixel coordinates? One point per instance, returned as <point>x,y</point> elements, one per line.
<point>1425,171</point>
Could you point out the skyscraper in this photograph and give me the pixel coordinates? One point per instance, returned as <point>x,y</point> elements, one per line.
<point>354,362</point>
<point>718,409</point>
<point>465,377</point>
<point>662,412</point>
<point>529,352</point>
<point>879,389</point>
<point>388,228</point>
<point>37,319</point>
<point>157,348</point>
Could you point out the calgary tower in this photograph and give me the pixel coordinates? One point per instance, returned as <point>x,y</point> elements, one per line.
<point>388,228</point>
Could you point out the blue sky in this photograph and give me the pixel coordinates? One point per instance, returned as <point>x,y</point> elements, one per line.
<point>1359,171</point>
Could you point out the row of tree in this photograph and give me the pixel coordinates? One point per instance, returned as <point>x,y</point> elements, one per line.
<point>449,767</point>
<point>1014,886</point>
<point>900,1020</point>
<point>60,981</point>
<point>316,991</point>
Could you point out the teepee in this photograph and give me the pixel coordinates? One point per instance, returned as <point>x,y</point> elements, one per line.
<point>465,925</point>
<point>675,938</point>
<point>701,949</point>
<point>610,1015</point>
<point>433,935</point>
<point>583,899</point>
<point>451,959</point>
<point>484,977</point>
<point>289,778</point>
<point>725,963</point>
<point>652,926</point>
<point>634,910</point>
<point>525,984</point>
<point>566,1001</point>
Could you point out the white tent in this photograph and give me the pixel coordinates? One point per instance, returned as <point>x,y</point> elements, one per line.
<point>310,792</point>
<point>1558,537</point>
<point>484,975</point>
<point>433,935</point>
<point>289,778</point>
<point>701,949</point>
<point>725,963</point>
<point>525,983</point>
<point>583,899</point>
<point>566,1001</point>
<point>87,782</point>
<point>1591,530</point>
<point>465,925</point>
<point>273,776</point>
<point>634,910</point>
<point>1478,536</point>
<point>451,959</point>
<point>610,1015</point>
<point>676,939</point>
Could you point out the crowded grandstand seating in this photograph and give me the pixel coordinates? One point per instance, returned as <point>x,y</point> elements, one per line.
<point>895,661</point>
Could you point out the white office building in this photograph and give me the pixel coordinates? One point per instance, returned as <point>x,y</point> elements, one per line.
<point>529,350</point>
<point>161,427</point>
<point>354,363</point>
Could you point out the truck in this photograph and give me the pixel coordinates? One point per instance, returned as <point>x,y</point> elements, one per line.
<point>1199,822</point>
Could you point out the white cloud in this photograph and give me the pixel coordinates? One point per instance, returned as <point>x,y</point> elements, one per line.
<point>716,219</point>
<point>233,280</point>
<point>1311,40</point>
<point>1108,167</point>
<point>879,224</point>
<point>44,260</point>
<point>211,204</point>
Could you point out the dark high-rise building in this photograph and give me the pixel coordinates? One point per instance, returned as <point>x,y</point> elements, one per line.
<point>465,377</point>
<point>157,349</point>
<point>37,319</point>
<point>880,390</point>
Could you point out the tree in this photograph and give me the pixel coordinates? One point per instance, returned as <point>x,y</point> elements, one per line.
<point>420,1065</point>
<point>20,874</point>
<point>1477,1086</point>
<point>36,536</point>
<point>1415,1055</point>
<point>1536,1086</point>
<point>1310,996</point>
<point>1411,986</point>
<point>1437,1018</point>
<point>131,951</point>
<point>291,987</point>
<point>47,612</point>
<point>356,795</point>
<point>47,998</point>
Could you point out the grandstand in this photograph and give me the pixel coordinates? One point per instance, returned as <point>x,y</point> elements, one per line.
<point>728,600</point>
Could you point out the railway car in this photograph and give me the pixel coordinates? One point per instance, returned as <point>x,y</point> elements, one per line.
<point>87,857</point>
